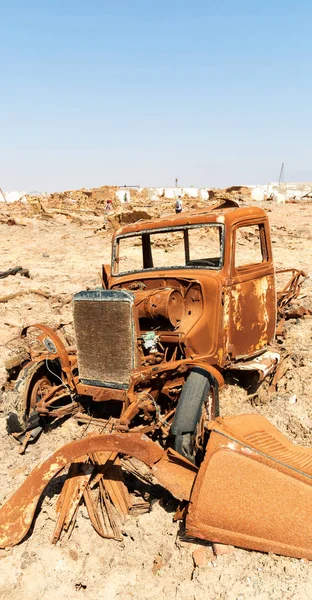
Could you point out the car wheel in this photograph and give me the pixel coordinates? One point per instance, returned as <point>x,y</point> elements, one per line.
<point>195,393</point>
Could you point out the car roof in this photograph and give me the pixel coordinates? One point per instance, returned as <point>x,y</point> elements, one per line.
<point>227,212</point>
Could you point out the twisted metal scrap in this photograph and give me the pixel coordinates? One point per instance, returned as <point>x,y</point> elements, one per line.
<point>291,290</point>
<point>171,470</point>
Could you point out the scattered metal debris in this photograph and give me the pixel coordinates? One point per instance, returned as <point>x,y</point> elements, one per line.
<point>279,373</point>
<point>14,271</point>
<point>252,489</point>
<point>290,292</point>
<point>98,482</point>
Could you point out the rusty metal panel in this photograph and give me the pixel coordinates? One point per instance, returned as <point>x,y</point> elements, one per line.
<point>252,314</point>
<point>254,489</point>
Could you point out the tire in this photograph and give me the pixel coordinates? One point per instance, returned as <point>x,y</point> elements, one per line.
<point>19,418</point>
<point>189,410</point>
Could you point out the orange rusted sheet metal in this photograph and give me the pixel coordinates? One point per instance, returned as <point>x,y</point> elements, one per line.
<point>254,489</point>
<point>263,364</point>
<point>171,470</point>
<point>70,497</point>
<point>291,290</point>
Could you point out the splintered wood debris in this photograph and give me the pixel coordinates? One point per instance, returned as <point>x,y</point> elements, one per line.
<point>97,482</point>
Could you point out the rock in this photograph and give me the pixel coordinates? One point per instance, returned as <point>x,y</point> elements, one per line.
<point>128,216</point>
<point>220,549</point>
<point>307,422</point>
<point>158,564</point>
<point>73,554</point>
<point>201,555</point>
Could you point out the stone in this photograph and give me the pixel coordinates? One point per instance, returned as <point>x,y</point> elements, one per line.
<point>201,556</point>
<point>220,549</point>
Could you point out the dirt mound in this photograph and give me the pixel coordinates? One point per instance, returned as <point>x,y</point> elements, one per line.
<point>235,192</point>
<point>126,216</point>
<point>83,198</point>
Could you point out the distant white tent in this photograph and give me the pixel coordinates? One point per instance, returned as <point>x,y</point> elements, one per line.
<point>13,196</point>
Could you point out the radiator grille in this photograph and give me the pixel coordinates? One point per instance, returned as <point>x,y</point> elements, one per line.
<point>104,328</point>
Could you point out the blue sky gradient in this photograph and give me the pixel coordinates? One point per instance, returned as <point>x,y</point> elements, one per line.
<point>138,93</point>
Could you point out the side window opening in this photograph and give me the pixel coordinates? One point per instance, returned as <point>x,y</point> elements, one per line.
<point>129,254</point>
<point>250,245</point>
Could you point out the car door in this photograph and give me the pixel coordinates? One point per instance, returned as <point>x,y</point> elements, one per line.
<point>252,297</point>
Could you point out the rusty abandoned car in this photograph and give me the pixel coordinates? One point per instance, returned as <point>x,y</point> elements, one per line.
<point>154,343</point>
<point>153,347</point>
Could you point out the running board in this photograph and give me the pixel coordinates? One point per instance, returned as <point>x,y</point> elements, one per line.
<point>263,364</point>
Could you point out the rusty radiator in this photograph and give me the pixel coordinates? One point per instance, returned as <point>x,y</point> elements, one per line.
<point>104,329</point>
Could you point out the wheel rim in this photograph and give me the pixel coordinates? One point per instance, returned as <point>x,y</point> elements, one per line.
<point>37,391</point>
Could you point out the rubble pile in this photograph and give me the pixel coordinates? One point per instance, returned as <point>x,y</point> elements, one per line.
<point>235,192</point>
<point>80,205</point>
<point>82,198</point>
<point>128,215</point>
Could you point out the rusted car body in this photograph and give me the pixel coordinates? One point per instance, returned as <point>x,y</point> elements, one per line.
<point>186,298</point>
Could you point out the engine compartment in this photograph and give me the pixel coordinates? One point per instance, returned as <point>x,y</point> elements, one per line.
<point>165,312</point>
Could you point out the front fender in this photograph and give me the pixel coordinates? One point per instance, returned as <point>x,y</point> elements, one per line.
<point>170,469</point>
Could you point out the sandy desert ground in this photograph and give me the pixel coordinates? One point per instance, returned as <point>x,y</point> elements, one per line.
<point>154,561</point>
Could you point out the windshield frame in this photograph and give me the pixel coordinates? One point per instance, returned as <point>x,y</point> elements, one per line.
<point>184,229</point>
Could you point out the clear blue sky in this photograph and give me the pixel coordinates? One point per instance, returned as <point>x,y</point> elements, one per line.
<point>133,92</point>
